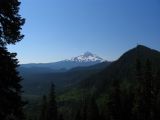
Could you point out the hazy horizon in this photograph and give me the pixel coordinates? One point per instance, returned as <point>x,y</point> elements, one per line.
<point>83,54</point>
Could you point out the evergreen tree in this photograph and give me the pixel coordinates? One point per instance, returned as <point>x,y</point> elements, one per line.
<point>92,111</point>
<point>43,112</point>
<point>52,113</point>
<point>84,109</point>
<point>148,91</point>
<point>105,112</point>
<point>61,117</point>
<point>127,103</point>
<point>143,107</point>
<point>156,84</point>
<point>156,96</point>
<point>10,22</point>
<point>102,116</point>
<point>114,102</point>
<point>78,115</point>
<point>88,110</point>
<point>138,109</point>
<point>10,89</point>
<point>11,104</point>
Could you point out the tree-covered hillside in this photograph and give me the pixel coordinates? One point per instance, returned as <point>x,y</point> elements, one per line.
<point>123,90</point>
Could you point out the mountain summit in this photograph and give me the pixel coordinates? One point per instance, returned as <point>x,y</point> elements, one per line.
<point>124,69</point>
<point>87,57</point>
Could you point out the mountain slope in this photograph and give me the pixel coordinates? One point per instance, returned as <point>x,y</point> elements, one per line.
<point>87,59</point>
<point>36,81</point>
<point>99,83</point>
<point>124,69</point>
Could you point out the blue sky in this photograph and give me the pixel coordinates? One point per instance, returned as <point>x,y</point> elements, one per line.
<point>60,29</point>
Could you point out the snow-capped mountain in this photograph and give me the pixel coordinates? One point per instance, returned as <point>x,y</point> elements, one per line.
<point>86,59</point>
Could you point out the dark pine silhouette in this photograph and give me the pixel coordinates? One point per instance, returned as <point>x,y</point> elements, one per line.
<point>10,88</point>
<point>10,22</point>
<point>48,108</point>
<point>52,112</point>
<point>43,112</point>
<point>11,104</point>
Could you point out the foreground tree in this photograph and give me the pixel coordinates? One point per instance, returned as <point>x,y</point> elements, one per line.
<point>10,22</point>
<point>10,89</point>
<point>11,104</point>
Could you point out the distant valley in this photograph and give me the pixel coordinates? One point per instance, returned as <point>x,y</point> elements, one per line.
<point>64,74</point>
<point>103,80</point>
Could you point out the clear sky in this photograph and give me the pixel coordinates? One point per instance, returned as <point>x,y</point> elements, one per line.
<point>60,29</point>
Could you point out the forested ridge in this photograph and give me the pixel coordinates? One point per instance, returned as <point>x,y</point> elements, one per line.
<point>125,89</point>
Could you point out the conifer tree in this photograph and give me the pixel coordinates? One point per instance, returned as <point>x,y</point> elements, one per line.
<point>148,91</point>
<point>127,103</point>
<point>93,112</point>
<point>156,84</point>
<point>78,115</point>
<point>10,89</point>
<point>10,22</point>
<point>88,110</point>
<point>156,97</point>
<point>84,109</point>
<point>138,108</point>
<point>43,112</point>
<point>52,112</point>
<point>114,104</point>
<point>143,106</point>
<point>11,104</point>
<point>60,117</point>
